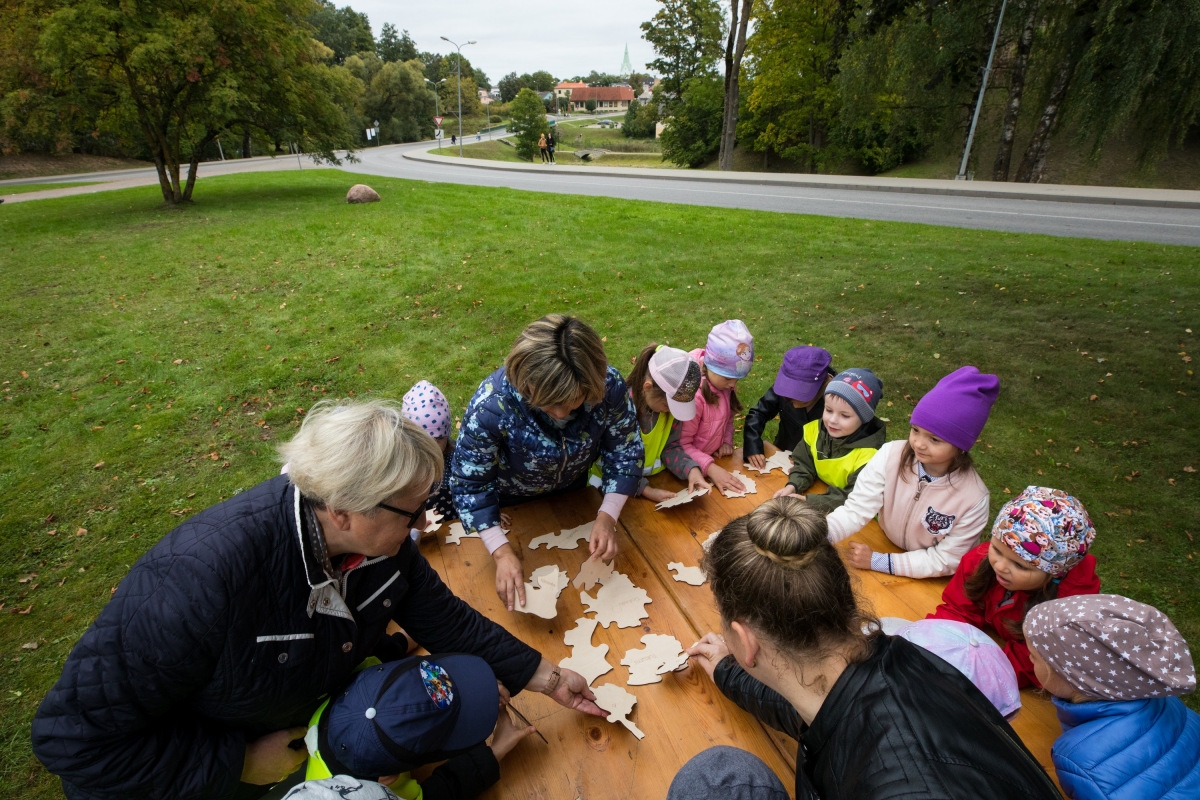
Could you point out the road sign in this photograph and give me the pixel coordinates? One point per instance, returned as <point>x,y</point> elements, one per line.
<point>438,121</point>
<point>437,134</point>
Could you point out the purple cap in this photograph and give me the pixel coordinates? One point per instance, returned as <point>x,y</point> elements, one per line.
<point>956,409</point>
<point>730,349</point>
<point>802,373</point>
<point>971,652</point>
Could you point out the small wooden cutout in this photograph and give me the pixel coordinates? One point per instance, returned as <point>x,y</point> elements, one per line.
<point>691,575</point>
<point>661,654</point>
<point>707,543</point>
<point>542,591</point>
<point>751,486</point>
<point>435,521</point>
<point>592,572</point>
<point>619,704</point>
<point>567,540</point>
<point>780,459</point>
<point>456,533</point>
<point>681,497</point>
<point>586,659</point>
<point>619,601</point>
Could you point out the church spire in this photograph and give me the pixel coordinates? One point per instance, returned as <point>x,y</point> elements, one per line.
<point>626,67</point>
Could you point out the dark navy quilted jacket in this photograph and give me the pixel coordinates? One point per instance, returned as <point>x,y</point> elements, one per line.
<point>507,447</point>
<point>226,630</point>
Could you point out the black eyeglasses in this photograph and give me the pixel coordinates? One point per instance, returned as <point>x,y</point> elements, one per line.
<point>412,515</point>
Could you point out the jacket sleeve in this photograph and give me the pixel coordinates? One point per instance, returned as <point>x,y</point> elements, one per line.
<point>442,623</point>
<point>476,464</point>
<point>674,457</point>
<point>1077,781</point>
<point>863,503</point>
<point>757,418</point>
<point>464,777</point>
<point>834,496</point>
<point>955,603</point>
<point>621,450</point>
<point>117,723</point>
<point>804,471</point>
<point>756,698</point>
<point>943,558</point>
<point>687,437</point>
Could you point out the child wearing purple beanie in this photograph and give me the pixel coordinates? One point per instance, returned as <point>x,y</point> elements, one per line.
<point>930,501</point>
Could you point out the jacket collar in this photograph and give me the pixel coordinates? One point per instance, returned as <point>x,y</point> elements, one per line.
<point>1072,714</point>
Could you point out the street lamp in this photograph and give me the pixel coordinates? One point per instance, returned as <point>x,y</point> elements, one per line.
<point>437,109</point>
<point>458,68</point>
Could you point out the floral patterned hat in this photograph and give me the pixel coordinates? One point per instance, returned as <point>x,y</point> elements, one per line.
<point>1047,528</point>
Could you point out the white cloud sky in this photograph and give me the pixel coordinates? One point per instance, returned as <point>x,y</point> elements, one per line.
<point>566,39</point>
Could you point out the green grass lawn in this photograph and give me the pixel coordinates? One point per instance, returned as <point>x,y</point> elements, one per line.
<point>22,188</point>
<point>496,151</point>
<point>152,359</point>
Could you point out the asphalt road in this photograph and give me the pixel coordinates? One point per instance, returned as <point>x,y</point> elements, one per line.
<point>1055,218</point>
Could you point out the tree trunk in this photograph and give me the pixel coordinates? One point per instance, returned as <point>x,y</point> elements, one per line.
<point>735,46</point>
<point>1015,89</point>
<point>246,142</point>
<point>1033,164</point>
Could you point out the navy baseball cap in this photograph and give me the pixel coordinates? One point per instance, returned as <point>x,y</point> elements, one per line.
<point>397,716</point>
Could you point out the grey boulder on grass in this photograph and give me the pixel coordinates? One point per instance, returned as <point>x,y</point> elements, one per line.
<point>361,193</point>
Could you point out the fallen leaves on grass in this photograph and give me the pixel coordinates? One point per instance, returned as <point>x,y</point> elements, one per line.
<point>81,532</point>
<point>1189,468</point>
<point>27,578</point>
<point>98,465</point>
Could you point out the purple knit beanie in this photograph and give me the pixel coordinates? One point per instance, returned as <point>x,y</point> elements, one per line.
<point>956,409</point>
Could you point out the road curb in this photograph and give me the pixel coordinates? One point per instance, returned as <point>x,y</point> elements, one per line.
<point>1099,195</point>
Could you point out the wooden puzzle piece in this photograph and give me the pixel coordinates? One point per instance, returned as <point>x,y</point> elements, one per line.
<point>456,533</point>
<point>567,540</point>
<point>691,575</point>
<point>618,703</point>
<point>751,486</point>
<point>592,572</point>
<point>542,591</point>
<point>681,497</point>
<point>661,654</point>
<point>586,659</point>
<point>619,601</point>
<point>435,521</point>
<point>780,459</point>
<point>707,543</point>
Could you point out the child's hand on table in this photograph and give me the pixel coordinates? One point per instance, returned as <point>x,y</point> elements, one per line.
<point>510,577</point>
<point>725,450</point>
<point>858,555</point>
<point>758,462</point>
<point>724,480</point>
<point>788,491</point>
<point>507,735</point>
<point>696,480</point>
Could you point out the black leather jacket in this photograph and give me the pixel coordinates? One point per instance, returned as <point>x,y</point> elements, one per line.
<point>901,724</point>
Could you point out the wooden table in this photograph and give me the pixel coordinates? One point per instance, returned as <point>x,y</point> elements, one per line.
<point>592,759</point>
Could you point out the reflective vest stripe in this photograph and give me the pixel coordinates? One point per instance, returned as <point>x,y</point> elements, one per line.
<point>835,471</point>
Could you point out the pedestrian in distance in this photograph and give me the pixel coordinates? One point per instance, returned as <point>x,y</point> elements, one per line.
<point>550,146</point>
<point>542,149</point>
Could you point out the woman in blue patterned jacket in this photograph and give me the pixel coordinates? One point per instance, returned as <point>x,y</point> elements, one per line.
<point>534,427</point>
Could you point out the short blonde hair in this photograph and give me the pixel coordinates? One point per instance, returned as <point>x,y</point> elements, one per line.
<point>558,360</point>
<point>353,455</point>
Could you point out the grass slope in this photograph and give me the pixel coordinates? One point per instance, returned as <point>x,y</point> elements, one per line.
<point>23,188</point>
<point>152,359</point>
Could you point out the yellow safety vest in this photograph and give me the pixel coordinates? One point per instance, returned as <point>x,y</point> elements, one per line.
<point>835,471</point>
<point>653,442</point>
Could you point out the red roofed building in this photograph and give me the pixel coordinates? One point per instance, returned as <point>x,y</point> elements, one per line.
<point>608,98</point>
<point>564,89</point>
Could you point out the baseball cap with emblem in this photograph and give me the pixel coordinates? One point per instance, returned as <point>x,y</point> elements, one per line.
<point>678,375</point>
<point>397,716</point>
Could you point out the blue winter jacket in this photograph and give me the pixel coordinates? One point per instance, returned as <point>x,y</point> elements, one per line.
<point>508,447</point>
<point>227,630</point>
<point>1131,750</point>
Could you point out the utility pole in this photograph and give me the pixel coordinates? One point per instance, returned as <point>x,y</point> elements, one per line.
<point>962,168</point>
<point>458,67</point>
<point>437,109</point>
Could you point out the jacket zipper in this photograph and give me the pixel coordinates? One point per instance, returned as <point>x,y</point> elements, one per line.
<point>912,505</point>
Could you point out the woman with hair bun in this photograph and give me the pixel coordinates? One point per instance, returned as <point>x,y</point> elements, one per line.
<point>875,716</point>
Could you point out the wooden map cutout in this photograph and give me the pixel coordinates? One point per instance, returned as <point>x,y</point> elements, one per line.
<point>619,601</point>
<point>592,572</point>
<point>707,543</point>
<point>661,654</point>
<point>456,533</point>
<point>435,521</point>
<point>751,486</point>
<point>542,591</point>
<point>567,540</point>
<point>619,704</point>
<point>586,659</point>
<point>780,459</point>
<point>681,497</point>
<point>689,575</point>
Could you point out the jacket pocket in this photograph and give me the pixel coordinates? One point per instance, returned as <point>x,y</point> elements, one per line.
<point>285,650</point>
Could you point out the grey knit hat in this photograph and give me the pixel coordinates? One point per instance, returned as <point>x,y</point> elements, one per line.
<point>1111,648</point>
<point>859,387</point>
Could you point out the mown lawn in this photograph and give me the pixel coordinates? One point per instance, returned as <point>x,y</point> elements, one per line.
<point>22,188</point>
<point>152,359</point>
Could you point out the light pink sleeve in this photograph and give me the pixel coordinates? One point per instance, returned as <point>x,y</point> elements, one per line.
<point>687,436</point>
<point>493,538</point>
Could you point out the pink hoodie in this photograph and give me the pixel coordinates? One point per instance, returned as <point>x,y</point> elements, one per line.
<point>712,426</point>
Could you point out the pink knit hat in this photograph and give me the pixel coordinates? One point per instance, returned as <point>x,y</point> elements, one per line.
<point>729,351</point>
<point>956,409</point>
<point>425,405</point>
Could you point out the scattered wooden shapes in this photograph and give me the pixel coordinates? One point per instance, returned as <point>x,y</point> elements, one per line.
<point>661,654</point>
<point>619,704</point>
<point>707,543</point>
<point>435,521</point>
<point>567,540</point>
<point>751,486</point>
<point>586,659</point>
<point>592,572</point>
<point>619,601</point>
<point>681,497</point>
<point>456,533</point>
<point>542,591</point>
<point>780,459</point>
<point>689,575</point>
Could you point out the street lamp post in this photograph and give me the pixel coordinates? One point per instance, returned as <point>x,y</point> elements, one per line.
<point>437,109</point>
<point>458,68</point>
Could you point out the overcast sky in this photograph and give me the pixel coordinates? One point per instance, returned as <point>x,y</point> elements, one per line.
<point>566,39</point>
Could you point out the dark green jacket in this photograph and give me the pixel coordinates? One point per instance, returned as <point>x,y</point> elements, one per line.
<point>804,471</point>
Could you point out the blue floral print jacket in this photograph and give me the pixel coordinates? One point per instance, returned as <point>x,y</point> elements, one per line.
<point>508,447</point>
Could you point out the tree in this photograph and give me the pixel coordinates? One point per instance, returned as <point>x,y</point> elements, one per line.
<point>640,120</point>
<point>510,85</point>
<point>481,78</point>
<point>594,78</point>
<point>398,98</point>
<point>590,105</point>
<point>540,81</point>
<point>686,35</point>
<point>528,122</point>
<point>693,133</point>
<point>391,47</point>
<point>448,92</point>
<point>735,47</point>
<point>189,71</point>
<point>343,30</point>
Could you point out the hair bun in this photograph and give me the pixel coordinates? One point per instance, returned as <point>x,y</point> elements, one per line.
<point>786,530</point>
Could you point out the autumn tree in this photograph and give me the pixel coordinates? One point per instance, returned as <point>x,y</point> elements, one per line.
<point>395,47</point>
<point>686,37</point>
<point>509,86</point>
<point>735,48</point>
<point>343,30</point>
<point>692,135</point>
<point>528,122</point>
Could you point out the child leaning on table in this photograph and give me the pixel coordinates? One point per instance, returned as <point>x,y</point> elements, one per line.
<point>425,405</point>
<point>1038,551</point>
<point>1116,668</point>
<point>725,359</point>
<point>930,501</point>
<point>836,447</point>
<point>797,398</point>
